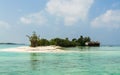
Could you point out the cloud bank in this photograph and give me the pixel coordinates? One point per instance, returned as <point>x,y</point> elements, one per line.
<point>70,11</point>
<point>110,19</point>
<point>34,18</point>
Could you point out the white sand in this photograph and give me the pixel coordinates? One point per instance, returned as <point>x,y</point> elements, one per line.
<point>41,49</point>
<point>48,49</point>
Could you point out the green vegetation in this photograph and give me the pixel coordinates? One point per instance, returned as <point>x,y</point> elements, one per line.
<point>36,41</point>
<point>62,42</point>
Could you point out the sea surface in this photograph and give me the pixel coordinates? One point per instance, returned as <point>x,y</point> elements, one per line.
<point>102,60</point>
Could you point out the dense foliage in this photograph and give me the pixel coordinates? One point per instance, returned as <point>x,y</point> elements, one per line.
<point>36,41</point>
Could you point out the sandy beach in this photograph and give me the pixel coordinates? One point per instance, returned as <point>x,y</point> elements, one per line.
<point>41,49</point>
<point>49,49</point>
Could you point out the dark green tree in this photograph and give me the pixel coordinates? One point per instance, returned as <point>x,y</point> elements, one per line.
<point>87,39</point>
<point>80,41</point>
<point>34,39</point>
<point>44,42</point>
<point>74,40</point>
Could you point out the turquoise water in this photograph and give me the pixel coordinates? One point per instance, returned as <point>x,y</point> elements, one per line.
<point>87,61</point>
<point>4,46</point>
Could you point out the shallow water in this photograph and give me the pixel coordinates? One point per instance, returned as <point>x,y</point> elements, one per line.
<point>4,46</point>
<point>87,61</point>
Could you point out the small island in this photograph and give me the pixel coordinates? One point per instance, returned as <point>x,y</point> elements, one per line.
<point>41,45</point>
<point>36,41</point>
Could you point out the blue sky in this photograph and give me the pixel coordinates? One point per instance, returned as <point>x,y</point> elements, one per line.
<point>99,19</point>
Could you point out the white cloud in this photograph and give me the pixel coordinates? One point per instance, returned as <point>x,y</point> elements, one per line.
<point>110,19</point>
<point>70,10</point>
<point>4,25</point>
<point>70,20</point>
<point>25,20</point>
<point>34,18</point>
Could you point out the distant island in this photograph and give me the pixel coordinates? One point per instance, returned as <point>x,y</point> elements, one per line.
<point>12,44</point>
<point>36,41</point>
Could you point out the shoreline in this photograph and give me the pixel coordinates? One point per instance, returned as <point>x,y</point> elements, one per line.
<point>41,49</point>
<point>49,49</point>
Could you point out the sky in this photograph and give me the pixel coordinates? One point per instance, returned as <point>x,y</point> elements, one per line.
<point>98,19</point>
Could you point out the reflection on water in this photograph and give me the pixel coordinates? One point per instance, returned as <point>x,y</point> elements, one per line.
<point>83,48</point>
<point>75,63</point>
<point>60,63</point>
<point>34,61</point>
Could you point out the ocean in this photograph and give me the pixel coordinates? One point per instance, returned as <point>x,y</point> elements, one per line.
<point>104,60</point>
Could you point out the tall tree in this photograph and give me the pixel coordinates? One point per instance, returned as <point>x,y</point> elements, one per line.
<point>34,39</point>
